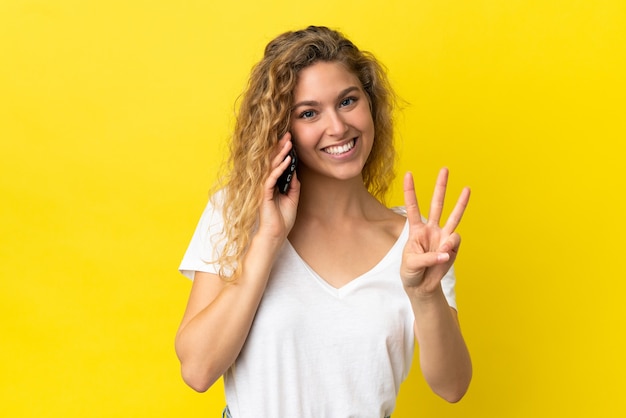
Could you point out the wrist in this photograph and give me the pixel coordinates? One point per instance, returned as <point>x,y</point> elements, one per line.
<point>270,243</point>
<point>422,297</point>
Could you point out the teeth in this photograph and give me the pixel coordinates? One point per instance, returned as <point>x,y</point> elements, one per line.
<point>340,149</point>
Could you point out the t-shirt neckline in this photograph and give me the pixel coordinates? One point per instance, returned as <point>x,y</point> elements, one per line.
<point>347,288</point>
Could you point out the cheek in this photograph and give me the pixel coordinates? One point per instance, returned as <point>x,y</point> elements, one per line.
<point>304,135</point>
<point>369,120</point>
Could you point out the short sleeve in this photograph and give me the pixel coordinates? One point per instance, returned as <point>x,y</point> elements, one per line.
<point>449,280</point>
<point>447,284</point>
<point>205,245</point>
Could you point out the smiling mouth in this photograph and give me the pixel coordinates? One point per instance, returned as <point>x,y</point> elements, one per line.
<point>340,149</point>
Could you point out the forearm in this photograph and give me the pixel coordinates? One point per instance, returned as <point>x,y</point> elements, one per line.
<point>444,357</point>
<point>210,341</point>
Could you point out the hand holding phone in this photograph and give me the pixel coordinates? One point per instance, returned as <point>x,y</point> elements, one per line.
<point>285,179</point>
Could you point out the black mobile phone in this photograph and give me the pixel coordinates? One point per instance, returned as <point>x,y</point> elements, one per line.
<point>285,179</point>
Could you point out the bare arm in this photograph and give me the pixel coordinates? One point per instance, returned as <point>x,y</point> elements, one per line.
<point>444,358</point>
<point>428,255</point>
<point>218,318</point>
<point>219,314</point>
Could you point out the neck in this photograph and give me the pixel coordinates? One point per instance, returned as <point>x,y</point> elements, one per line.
<point>335,200</point>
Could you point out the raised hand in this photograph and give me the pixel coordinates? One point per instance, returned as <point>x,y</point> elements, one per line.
<point>430,249</point>
<point>278,211</point>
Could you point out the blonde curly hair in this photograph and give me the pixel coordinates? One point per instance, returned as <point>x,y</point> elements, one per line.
<point>264,117</point>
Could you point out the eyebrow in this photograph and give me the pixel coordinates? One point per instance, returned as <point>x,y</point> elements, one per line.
<point>341,94</point>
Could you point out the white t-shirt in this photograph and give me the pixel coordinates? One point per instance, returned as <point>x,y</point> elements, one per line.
<point>315,351</point>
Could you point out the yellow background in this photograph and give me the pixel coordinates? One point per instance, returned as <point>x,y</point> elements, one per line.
<point>113,116</point>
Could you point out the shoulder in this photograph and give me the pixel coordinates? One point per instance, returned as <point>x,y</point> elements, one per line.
<point>394,221</point>
<point>399,210</point>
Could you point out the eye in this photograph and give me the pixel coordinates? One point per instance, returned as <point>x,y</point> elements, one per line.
<point>347,101</point>
<point>307,114</point>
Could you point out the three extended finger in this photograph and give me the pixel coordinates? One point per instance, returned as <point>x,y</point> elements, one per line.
<point>410,201</point>
<point>457,213</point>
<point>439,195</point>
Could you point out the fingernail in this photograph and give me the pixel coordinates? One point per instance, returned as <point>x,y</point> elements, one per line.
<point>443,257</point>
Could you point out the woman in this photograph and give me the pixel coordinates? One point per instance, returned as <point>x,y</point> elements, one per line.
<point>309,302</point>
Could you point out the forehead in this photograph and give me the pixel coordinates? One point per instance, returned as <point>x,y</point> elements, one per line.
<point>324,78</point>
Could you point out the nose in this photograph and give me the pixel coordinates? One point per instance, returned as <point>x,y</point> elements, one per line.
<point>336,125</point>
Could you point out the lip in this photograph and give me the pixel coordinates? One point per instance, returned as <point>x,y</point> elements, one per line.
<point>346,154</point>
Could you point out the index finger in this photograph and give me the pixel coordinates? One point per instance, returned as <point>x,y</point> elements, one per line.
<point>410,201</point>
<point>282,149</point>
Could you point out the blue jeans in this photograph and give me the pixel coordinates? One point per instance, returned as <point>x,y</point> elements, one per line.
<point>226,413</point>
